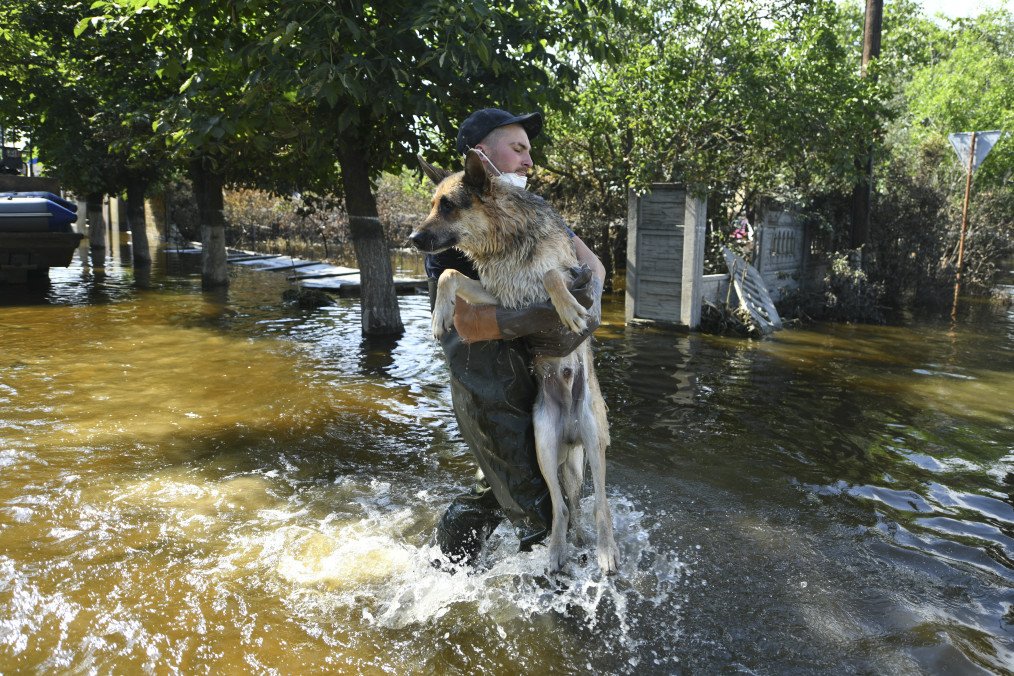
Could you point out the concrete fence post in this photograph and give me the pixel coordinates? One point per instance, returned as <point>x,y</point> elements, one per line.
<point>665,256</point>
<point>695,224</point>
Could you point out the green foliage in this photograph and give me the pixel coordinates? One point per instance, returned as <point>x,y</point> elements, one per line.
<point>912,224</point>
<point>399,76</point>
<point>910,41</point>
<point>963,82</point>
<point>849,295</point>
<point>85,98</point>
<point>846,294</point>
<point>730,98</point>
<point>721,95</point>
<point>736,100</point>
<point>971,88</point>
<point>989,242</point>
<point>267,89</point>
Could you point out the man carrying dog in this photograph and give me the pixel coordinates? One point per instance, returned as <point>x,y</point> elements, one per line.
<point>490,353</point>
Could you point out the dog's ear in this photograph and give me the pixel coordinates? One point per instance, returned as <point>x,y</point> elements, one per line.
<point>435,174</point>
<point>475,172</point>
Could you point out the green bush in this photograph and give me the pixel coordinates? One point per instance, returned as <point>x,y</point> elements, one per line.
<point>849,294</point>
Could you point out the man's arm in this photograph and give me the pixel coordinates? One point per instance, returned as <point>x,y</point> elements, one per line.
<point>586,256</point>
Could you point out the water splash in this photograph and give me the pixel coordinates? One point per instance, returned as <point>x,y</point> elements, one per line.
<point>377,568</point>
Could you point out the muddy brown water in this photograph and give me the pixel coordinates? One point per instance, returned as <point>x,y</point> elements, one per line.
<point>220,482</point>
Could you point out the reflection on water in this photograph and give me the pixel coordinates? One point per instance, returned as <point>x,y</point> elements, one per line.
<point>202,481</point>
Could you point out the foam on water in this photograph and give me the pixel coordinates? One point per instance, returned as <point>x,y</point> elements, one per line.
<point>379,568</point>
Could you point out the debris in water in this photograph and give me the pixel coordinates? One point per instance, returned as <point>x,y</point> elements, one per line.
<point>307,299</point>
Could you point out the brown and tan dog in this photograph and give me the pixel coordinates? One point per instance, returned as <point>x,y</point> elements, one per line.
<point>522,251</point>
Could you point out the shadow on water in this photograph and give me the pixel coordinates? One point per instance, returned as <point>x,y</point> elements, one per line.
<point>200,480</point>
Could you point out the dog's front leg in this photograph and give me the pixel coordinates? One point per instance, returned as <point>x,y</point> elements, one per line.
<point>451,285</point>
<point>474,292</point>
<point>573,315</point>
<point>443,307</point>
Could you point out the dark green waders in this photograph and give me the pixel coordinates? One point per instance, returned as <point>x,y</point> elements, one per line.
<point>493,391</point>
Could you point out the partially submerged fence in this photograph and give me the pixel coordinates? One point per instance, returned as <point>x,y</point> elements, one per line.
<point>781,249</point>
<point>665,256</point>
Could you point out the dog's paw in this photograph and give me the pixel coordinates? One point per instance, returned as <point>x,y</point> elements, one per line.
<point>443,321</point>
<point>609,557</point>
<point>438,328</point>
<point>575,318</point>
<point>557,555</point>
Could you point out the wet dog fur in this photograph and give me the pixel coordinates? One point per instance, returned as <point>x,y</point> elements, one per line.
<point>522,251</point>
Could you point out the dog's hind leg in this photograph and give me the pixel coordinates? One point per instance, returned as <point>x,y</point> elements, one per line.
<point>573,478</point>
<point>606,550</point>
<point>548,425</point>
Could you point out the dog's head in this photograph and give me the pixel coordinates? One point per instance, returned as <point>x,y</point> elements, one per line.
<point>457,216</point>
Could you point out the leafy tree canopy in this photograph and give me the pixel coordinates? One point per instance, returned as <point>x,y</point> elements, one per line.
<point>746,96</point>
<point>971,88</point>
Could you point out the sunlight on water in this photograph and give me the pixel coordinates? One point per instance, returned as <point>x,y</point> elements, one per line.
<point>179,493</point>
<point>205,547</point>
<point>894,367</point>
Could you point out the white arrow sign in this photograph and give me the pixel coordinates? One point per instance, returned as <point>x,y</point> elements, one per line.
<point>984,142</point>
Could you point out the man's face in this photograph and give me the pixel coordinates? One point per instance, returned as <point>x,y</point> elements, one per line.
<point>508,149</point>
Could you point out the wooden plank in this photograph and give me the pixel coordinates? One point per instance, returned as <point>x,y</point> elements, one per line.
<point>351,285</point>
<point>665,249</point>
<point>278,264</point>
<point>658,302</point>
<point>321,271</point>
<point>244,258</point>
<point>661,210</point>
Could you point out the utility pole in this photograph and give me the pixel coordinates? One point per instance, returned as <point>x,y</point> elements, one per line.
<point>863,191</point>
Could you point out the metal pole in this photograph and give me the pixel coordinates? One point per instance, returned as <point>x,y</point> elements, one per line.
<point>964,227</point>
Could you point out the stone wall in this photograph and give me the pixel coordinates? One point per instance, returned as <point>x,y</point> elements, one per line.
<point>781,249</point>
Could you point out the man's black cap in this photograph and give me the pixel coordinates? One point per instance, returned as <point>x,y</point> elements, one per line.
<point>478,125</point>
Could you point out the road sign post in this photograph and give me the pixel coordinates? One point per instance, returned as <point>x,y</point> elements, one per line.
<point>964,144</point>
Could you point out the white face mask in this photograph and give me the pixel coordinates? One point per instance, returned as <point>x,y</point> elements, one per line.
<point>510,179</point>
<point>514,179</point>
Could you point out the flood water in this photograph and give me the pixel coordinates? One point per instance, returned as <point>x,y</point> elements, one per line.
<point>224,483</point>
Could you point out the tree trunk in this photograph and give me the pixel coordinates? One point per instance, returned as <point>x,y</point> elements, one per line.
<point>379,302</point>
<point>208,191</point>
<point>96,227</point>
<point>136,188</point>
